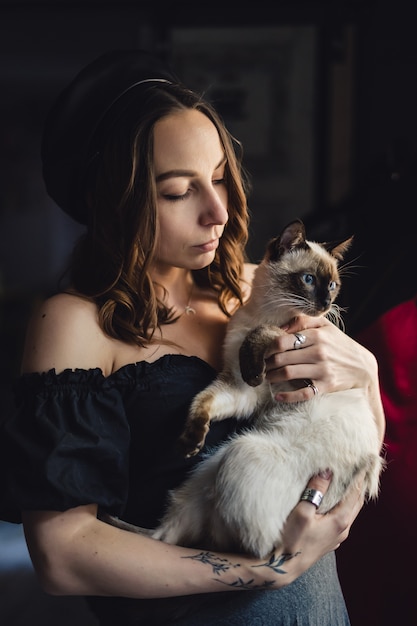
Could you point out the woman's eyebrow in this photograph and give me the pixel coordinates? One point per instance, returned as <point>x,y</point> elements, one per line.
<point>184,173</point>
<point>175,174</point>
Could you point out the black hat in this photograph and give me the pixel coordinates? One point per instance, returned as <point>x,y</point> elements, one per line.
<point>78,111</point>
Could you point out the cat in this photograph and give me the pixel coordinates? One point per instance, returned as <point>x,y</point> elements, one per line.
<point>239,497</point>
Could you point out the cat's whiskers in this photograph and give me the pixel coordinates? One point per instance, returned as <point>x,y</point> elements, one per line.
<point>293,304</point>
<point>335,316</point>
<point>273,302</point>
<point>346,269</point>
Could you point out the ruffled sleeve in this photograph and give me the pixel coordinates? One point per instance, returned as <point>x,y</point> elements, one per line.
<point>67,445</point>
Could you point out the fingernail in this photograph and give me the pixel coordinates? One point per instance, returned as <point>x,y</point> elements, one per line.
<point>285,327</point>
<point>326,474</point>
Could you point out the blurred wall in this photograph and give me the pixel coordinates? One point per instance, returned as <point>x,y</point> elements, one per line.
<point>319,92</point>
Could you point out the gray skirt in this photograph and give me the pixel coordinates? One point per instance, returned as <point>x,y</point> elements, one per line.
<point>313,599</point>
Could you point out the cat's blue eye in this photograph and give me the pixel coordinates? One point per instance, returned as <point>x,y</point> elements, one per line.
<point>332,285</point>
<point>309,279</point>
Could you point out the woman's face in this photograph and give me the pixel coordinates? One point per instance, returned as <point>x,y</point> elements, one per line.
<point>189,163</point>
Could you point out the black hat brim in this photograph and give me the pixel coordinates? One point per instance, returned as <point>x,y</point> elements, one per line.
<point>78,111</point>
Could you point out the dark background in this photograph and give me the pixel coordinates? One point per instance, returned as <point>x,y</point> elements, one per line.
<point>323,96</point>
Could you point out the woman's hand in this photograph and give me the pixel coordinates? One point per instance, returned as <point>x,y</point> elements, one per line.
<point>308,535</point>
<point>329,358</point>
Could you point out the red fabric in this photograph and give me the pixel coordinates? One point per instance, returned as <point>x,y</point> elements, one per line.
<point>393,340</point>
<point>381,551</point>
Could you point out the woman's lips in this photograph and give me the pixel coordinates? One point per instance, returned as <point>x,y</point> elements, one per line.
<point>208,246</point>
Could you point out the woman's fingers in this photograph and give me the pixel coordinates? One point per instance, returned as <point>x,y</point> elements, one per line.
<point>314,492</point>
<point>304,322</point>
<point>312,533</point>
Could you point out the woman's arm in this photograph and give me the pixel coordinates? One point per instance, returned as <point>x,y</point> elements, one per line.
<point>330,358</point>
<point>74,553</point>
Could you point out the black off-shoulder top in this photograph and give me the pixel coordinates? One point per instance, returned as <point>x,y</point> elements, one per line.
<point>78,437</point>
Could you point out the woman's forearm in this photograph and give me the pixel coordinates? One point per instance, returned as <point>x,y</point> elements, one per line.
<point>74,553</point>
<point>89,557</point>
<point>374,395</point>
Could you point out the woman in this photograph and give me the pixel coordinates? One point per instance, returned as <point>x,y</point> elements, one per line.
<point>111,364</point>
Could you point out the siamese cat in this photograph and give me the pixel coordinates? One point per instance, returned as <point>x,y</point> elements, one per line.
<point>238,498</point>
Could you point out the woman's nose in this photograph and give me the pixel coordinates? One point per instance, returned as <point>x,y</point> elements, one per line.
<point>215,208</point>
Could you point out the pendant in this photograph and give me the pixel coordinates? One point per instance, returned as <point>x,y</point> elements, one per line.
<point>189,310</point>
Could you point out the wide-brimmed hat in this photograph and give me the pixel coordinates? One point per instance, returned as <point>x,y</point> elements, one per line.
<point>78,112</point>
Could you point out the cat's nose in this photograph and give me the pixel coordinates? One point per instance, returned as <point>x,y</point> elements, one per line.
<point>324,304</point>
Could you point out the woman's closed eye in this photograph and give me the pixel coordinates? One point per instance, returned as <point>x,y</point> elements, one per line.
<point>174,197</point>
<point>177,197</point>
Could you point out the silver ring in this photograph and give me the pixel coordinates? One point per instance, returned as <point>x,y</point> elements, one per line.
<point>299,340</point>
<point>312,386</point>
<point>312,495</point>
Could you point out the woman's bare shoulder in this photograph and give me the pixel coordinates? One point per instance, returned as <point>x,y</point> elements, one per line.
<point>66,313</point>
<point>63,333</point>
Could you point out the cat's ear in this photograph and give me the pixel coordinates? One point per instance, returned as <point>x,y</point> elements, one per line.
<point>293,235</point>
<point>338,249</point>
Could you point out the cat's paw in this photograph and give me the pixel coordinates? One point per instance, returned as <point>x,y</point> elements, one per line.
<point>252,378</point>
<point>253,373</point>
<point>251,356</point>
<point>193,436</point>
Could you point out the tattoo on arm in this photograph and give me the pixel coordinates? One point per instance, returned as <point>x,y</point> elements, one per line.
<point>220,566</point>
<point>275,562</point>
<point>249,585</point>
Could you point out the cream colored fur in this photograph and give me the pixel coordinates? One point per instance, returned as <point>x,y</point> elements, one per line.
<point>240,496</point>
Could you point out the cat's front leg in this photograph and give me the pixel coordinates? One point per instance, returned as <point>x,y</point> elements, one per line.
<point>224,398</point>
<point>197,425</point>
<point>252,353</point>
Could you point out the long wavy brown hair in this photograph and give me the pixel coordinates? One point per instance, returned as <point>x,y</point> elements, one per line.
<point>111,262</point>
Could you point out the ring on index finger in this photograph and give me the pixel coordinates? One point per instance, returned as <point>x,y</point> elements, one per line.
<point>299,340</point>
